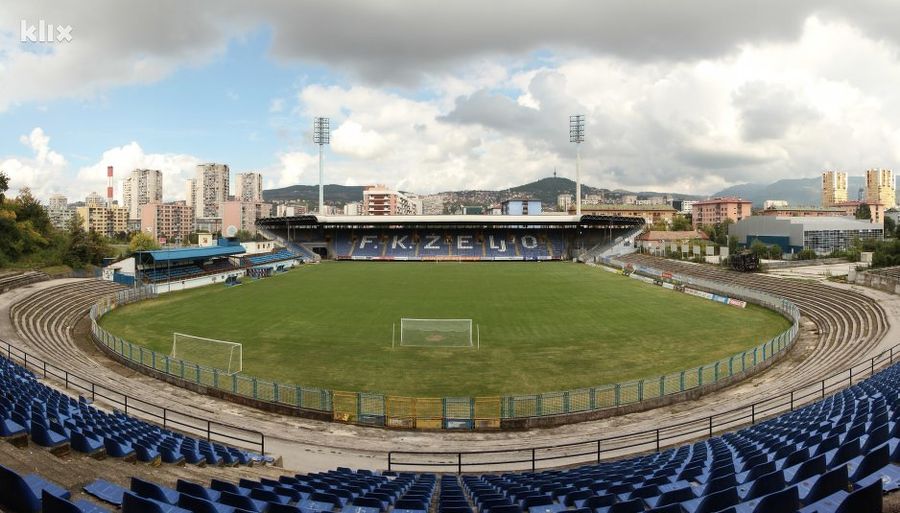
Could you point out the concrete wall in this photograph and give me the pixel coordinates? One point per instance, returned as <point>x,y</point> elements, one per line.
<point>875,281</point>
<point>193,283</point>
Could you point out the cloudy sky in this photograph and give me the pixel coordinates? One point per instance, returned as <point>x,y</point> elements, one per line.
<point>424,95</point>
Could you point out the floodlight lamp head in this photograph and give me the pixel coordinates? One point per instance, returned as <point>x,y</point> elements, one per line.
<point>576,128</point>
<point>321,131</point>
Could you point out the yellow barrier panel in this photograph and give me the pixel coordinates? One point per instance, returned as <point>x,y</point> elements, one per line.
<point>429,413</point>
<point>487,413</point>
<point>344,406</point>
<point>400,412</point>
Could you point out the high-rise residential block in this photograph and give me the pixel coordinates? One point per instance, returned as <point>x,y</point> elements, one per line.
<point>834,188</point>
<point>881,188</point>
<point>211,189</point>
<point>142,186</point>
<point>248,187</point>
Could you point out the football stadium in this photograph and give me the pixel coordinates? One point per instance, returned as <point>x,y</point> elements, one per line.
<point>417,333</point>
<point>432,353</point>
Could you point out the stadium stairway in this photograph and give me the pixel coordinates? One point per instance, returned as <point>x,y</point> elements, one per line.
<point>848,324</point>
<point>297,248</point>
<point>622,245</point>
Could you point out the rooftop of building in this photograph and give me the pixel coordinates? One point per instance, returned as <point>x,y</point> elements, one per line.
<point>816,223</point>
<point>804,208</point>
<point>617,207</point>
<point>724,199</point>
<point>654,235</point>
<point>856,203</point>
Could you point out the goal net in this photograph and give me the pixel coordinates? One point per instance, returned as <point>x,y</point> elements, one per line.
<point>436,333</point>
<point>223,355</point>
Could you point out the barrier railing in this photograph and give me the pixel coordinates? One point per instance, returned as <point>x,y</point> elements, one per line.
<point>670,435</point>
<point>212,430</point>
<point>467,412</point>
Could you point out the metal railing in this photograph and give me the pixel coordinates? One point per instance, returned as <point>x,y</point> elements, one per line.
<point>466,412</point>
<point>670,435</point>
<point>296,396</point>
<point>168,418</point>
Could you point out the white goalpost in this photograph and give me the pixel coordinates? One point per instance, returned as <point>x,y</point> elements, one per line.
<point>223,355</point>
<point>435,333</point>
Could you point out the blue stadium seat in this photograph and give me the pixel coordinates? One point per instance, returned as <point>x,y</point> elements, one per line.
<point>133,503</point>
<point>24,493</point>
<point>154,491</point>
<point>106,491</point>
<point>54,504</point>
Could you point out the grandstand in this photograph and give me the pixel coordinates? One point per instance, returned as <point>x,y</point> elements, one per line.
<point>60,423</point>
<point>436,238</point>
<point>14,280</point>
<point>172,265</point>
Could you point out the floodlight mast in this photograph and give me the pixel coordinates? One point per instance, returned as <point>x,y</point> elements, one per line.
<point>321,136</point>
<point>576,135</point>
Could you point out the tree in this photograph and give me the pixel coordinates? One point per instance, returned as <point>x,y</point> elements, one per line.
<point>890,227</point>
<point>24,226</point>
<point>4,186</point>
<point>863,212</point>
<point>28,208</point>
<point>141,241</point>
<point>681,223</point>
<point>806,254</point>
<point>718,232</point>
<point>659,225</point>
<point>732,244</point>
<point>775,252</point>
<point>246,236</point>
<point>84,248</point>
<point>759,249</point>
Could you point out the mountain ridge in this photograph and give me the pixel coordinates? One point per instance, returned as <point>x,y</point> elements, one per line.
<point>545,189</point>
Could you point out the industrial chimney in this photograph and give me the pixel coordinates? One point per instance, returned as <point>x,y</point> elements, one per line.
<point>109,186</point>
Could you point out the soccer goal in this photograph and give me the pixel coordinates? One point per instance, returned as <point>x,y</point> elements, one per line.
<point>223,355</point>
<point>435,333</point>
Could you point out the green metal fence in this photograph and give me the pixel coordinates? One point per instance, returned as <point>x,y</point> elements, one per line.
<point>465,412</point>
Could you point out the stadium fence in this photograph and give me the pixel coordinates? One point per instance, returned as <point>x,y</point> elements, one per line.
<point>467,413</point>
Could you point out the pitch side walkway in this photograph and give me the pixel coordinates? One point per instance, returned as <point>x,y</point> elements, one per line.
<point>829,341</point>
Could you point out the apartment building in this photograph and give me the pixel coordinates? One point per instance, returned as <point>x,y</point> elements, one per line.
<point>717,210</point>
<point>141,187</point>
<point>248,187</point>
<point>834,188</point>
<point>378,200</point>
<point>172,221</point>
<point>211,187</point>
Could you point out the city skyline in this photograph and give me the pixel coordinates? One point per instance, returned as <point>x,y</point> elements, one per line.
<point>677,103</point>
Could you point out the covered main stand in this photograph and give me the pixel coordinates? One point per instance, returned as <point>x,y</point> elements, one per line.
<point>466,237</point>
<point>183,263</point>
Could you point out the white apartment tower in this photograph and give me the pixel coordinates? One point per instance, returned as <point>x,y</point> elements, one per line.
<point>141,187</point>
<point>58,202</point>
<point>211,189</point>
<point>190,186</point>
<point>880,187</point>
<point>248,187</point>
<point>95,200</point>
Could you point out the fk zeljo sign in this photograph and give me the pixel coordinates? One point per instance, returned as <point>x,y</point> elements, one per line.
<point>44,32</point>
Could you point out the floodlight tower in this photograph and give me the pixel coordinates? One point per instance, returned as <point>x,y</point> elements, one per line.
<point>576,135</point>
<point>321,136</point>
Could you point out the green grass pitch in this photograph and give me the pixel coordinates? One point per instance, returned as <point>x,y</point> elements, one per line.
<point>544,326</point>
